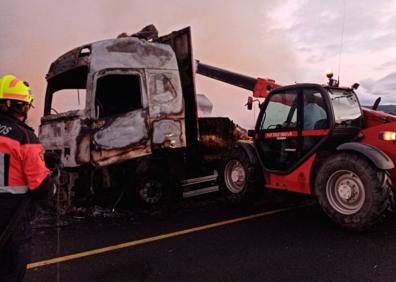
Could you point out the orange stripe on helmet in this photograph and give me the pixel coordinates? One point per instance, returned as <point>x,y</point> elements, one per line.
<point>15,96</point>
<point>14,82</point>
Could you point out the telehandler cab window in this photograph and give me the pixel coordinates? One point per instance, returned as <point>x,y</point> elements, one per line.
<point>315,116</point>
<point>278,132</point>
<point>117,94</point>
<point>346,107</point>
<point>281,112</point>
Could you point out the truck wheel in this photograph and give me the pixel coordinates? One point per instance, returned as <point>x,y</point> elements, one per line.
<point>238,178</point>
<point>152,188</point>
<point>352,191</point>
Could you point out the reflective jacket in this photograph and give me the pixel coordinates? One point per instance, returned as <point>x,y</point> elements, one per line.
<point>22,170</point>
<point>22,166</point>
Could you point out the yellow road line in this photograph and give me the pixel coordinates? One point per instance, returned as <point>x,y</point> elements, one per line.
<point>156,238</point>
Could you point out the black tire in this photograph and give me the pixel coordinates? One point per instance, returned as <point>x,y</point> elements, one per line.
<point>352,191</point>
<point>239,179</point>
<point>153,187</point>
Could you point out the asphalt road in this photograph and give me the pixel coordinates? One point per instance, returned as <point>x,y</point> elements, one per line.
<point>291,245</point>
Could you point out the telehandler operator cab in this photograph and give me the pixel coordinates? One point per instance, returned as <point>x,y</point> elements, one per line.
<point>296,121</point>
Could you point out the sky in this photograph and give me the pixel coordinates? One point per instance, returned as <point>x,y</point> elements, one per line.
<point>286,40</point>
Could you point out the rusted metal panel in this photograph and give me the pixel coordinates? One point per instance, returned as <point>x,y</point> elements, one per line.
<point>108,157</point>
<point>169,133</point>
<point>165,94</point>
<point>182,45</point>
<point>83,145</point>
<point>166,109</point>
<point>124,131</point>
<point>64,133</point>
<point>62,116</point>
<point>74,58</point>
<point>132,52</point>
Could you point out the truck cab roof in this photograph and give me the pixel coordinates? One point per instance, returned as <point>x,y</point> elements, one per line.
<point>123,52</point>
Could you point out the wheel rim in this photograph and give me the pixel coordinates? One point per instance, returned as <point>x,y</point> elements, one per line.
<point>345,192</point>
<point>151,191</point>
<point>235,176</point>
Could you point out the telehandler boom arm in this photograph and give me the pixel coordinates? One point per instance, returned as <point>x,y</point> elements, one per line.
<point>259,86</point>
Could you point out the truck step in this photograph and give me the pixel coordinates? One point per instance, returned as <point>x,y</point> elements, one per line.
<point>193,181</point>
<point>201,191</point>
<point>200,185</point>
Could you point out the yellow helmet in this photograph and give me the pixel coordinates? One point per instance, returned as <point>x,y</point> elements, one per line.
<point>15,89</point>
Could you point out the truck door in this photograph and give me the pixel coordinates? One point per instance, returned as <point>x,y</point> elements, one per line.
<point>121,130</point>
<point>289,127</point>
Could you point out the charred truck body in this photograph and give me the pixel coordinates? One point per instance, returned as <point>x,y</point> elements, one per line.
<point>138,127</point>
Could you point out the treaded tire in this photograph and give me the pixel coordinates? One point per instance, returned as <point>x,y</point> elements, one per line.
<point>152,188</point>
<point>239,179</point>
<point>352,191</point>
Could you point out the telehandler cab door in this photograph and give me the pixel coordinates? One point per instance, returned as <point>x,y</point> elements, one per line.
<point>290,126</point>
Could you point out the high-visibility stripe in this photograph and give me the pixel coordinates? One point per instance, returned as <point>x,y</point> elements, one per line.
<point>6,168</point>
<point>15,96</point>
<point>14,82</point>
<point>2,170</point>
<point>14,189</point>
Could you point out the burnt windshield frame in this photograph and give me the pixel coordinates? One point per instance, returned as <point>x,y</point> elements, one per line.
<point>72,79</point>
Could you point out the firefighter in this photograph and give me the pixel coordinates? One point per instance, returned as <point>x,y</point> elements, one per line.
<point>24,178</point>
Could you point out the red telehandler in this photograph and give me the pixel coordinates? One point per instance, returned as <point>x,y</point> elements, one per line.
<point>317,140</point>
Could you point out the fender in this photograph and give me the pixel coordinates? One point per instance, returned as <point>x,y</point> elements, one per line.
<point>378,157</point>
<point>250,150</point>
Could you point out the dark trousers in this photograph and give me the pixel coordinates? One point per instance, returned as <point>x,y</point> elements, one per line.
<point>13,260</point>
<point>16,252</point>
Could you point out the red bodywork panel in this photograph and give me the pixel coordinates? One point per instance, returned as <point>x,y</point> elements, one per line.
<point>315,132</point>
<point>296,181</point>
<point>376,122</point>
<point>299,179</point>
<point>374,118</point>
<point>262,86</point>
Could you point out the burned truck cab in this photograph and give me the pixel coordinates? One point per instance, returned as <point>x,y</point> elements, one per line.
<point>122,113</point>
<point>129,102</point>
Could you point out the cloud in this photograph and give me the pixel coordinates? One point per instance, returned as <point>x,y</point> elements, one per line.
<point>387,64</point>
<point>384,87</point>
<point>322,29</point>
